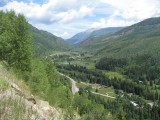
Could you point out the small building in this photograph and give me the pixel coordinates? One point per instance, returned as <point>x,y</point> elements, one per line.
<point>134,104</point>
<point>151,104</point>
<point>140,81</point>
<point>66,62</point>
<point>157,86</point>
<point>130,94</point>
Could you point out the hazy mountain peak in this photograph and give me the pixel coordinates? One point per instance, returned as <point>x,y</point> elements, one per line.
<point>91,30</point>
<point>91,33</point>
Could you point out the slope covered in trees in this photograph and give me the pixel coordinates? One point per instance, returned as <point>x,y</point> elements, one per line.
<point>16,53</point>
<point>91,34</point>
<point>15,41</point>
<point>140,38</point>
<point>45,42</point>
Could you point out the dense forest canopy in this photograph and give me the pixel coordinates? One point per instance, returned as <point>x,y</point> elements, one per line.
<point>137,39</point>
<point>15,41</point>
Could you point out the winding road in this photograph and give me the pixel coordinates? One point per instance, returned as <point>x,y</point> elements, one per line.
<point>103,95</point>
<point>75,89</point>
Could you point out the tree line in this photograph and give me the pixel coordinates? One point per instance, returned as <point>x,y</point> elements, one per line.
<point>128,86</point>
<point>95,76</point>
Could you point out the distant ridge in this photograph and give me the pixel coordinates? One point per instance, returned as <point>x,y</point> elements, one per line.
<point>138,39</point>
<point>91,33</point>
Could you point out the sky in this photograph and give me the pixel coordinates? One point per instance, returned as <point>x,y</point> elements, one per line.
<point>65,18</point>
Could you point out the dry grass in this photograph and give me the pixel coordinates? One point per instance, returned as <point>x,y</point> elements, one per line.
<point>3,85</point>
<point>11,108</point>
<point>9,76</point>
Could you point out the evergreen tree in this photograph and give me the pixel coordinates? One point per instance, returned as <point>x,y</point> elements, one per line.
<point>120,115</point>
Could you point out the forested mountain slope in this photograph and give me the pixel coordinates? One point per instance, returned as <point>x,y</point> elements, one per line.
<point>91,34</point>
<point>105,31</point>
<point>140,38</point>
<point>45,42</point>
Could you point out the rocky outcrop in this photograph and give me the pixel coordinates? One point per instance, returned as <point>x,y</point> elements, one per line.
<point>32,108</point>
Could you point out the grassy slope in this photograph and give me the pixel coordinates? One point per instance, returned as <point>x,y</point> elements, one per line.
<point>112,75</point>
<point>3,85</point>
<point>14,103</point>
<point>12,107</point>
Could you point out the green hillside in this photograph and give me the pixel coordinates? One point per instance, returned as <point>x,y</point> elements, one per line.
<point>16,54</point>
<point>36,81</point>
<point>45,42</point>
<point>138,39</point>
<point>105,31</point>
<point>41,77</point>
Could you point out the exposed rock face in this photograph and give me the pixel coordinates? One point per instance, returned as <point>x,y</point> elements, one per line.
<point>40,110</point>
<point>45,111</point>
<point>31,99</point>
<point>33,109</point>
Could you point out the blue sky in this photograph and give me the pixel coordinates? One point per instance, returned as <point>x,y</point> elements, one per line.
<point>65,18</point>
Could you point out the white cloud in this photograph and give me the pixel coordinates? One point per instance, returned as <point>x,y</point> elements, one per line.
<point>73,14</point>
<point>64,30</point>
<point>65,35</point>
<point>50,12</point>
<point>127,12</point>
<point>101,23</point>
<point>111,22</point>
<point>135,9</point>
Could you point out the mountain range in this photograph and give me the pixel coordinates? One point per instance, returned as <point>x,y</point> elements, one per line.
<point>140,38</point>
<point>91,34</point>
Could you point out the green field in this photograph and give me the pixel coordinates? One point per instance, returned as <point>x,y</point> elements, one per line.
<point>108,90</point>
<point>98,88</point>
<point>112,75</point>
<point>85,63</point>
<point>75,58</point>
